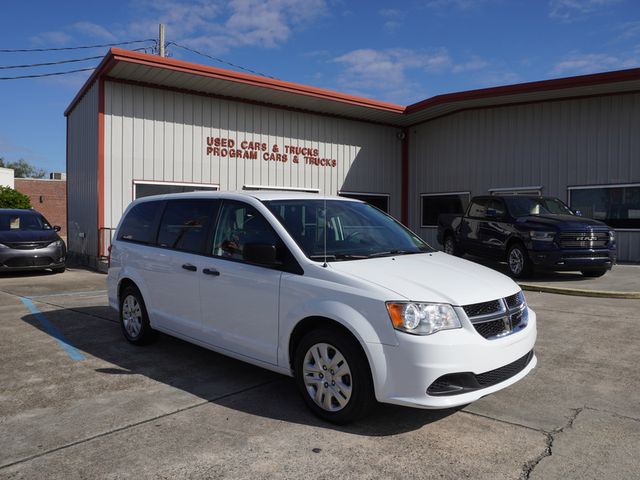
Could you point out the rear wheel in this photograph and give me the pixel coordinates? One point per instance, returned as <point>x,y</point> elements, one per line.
<point>518,261</point>
<point>333,376</point>
<point>594,273</point>
<point>134,320</point>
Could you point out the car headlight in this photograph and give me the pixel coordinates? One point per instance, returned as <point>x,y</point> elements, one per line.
<point>2,245</point>
<point>57,243</point>
<point>422,318</point>
<point>542,236</point>
<point>612,236</point>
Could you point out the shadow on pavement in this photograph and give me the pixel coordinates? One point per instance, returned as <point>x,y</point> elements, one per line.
<point>213,377</point>
<point>538,276</point>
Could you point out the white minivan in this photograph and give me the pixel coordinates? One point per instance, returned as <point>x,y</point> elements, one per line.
<point>329,290</point>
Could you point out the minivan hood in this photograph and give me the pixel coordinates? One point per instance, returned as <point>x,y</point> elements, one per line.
<point>562,222</point>
<point>16,236</point>
<point>431,277</point>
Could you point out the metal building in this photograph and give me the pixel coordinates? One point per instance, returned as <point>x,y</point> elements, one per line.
<point>144,124</point>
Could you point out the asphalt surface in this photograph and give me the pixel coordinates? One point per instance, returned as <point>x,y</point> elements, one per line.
<point>174,410</point>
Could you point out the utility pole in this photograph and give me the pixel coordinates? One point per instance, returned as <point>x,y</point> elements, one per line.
<point>161,40</point>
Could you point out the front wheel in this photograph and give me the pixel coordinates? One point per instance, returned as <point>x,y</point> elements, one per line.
<point>594,273</point>
<point>333,376</point>
<point>518,261</point>
<point>451,247</point>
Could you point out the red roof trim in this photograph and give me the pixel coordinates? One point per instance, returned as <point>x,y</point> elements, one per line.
<point>116,54</point>
<point>529,87</point>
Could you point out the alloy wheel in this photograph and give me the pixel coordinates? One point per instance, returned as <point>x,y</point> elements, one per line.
<point>132,316</point>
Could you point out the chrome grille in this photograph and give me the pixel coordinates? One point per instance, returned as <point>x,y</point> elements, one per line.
<point>498,318</point>
<point>585,239</point>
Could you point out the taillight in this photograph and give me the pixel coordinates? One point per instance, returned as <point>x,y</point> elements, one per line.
<point>109,256</point>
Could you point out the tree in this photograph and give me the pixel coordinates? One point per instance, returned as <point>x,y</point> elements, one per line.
<point>23,169</point>
<point>10,198</point>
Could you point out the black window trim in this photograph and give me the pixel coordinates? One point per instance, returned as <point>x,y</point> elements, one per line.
<point>570,188</point>
<point>440,194</point>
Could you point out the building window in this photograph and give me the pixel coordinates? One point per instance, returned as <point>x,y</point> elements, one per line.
<point>616,205</point>
<point>147,188</point>
<point>378,200</point>
<point>537,191</point>
<point>434,205</point>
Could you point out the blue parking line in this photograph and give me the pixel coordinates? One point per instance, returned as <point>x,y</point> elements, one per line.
<point>51,329</point>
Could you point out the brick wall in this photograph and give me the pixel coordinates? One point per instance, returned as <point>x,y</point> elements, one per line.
<point>49,197</point>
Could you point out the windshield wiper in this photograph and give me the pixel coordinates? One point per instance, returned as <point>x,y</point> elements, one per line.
<point>390,253</point>
<point>339,256</point>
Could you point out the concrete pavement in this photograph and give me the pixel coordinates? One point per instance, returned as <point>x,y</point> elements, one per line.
<point>176,410</point>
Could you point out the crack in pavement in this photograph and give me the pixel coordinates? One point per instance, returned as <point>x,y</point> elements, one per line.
<point>527,468</point>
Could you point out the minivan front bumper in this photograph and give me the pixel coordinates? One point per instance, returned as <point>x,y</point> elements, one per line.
<point>411,367</point>
<point>16,259</point>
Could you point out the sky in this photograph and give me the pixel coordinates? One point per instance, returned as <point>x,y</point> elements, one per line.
<point>399,52</point>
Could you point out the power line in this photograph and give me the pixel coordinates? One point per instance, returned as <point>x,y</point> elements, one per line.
<point>60,62</point>
<point>48,74</point>
<point>220,60</point>
<point>6,50</point>
<point>7,67</point>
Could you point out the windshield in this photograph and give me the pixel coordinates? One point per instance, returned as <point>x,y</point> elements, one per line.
<point>525,206</point>
<point>20,221</point>
<point>353,230</point>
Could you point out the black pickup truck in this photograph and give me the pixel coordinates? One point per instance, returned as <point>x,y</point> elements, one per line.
<point>529,232</point>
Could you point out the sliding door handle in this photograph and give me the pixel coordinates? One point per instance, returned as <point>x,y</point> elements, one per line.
<point>191,268</point>
<point>211,271</point>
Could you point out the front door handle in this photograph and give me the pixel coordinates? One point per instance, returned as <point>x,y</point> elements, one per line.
<point>211,271</point>
<point>191,268</point>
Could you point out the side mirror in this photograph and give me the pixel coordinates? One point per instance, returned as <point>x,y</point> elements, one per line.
<point>57,228</point>
<point>261,254</point>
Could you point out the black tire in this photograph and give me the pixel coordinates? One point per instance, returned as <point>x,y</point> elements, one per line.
<point>451,247</point>
<point>518,261</point>
<point>139,332</point>
<point>58,270</point>
<point>594,273</point>
<point>361,398</point>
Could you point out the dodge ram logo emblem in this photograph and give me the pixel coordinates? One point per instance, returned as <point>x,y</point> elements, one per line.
<point>586,239</point>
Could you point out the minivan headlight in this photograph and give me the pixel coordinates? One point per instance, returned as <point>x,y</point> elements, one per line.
<point>2,245</point>
<point>57,243</point>
<point>542,236</point>
<point>422,318</point>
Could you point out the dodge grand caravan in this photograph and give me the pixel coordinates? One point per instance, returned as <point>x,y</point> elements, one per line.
<point>328,290</point>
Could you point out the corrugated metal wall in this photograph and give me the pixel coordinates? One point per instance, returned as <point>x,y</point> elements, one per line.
<point>82,178</point>
<point>161,135</point>
<point>591,141</point>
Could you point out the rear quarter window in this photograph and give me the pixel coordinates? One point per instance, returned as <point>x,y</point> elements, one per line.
<point>139,224</point>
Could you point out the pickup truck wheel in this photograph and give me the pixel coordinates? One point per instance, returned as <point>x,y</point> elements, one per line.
<point>518,261</point>
<point>333,376</point>
<point>594,273</point>
<point>451,248</point>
